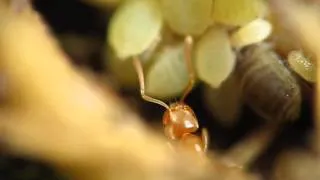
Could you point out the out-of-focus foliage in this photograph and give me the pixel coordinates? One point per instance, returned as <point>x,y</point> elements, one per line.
<point>79,48</point>
<point>282,37</point>
<point>134,27</point>
<point>187,17</point>
<point>214,58</point>
<point>246,151</point>
<point>297,165</point>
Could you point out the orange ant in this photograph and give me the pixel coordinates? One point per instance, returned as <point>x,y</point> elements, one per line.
<point>179,120</point>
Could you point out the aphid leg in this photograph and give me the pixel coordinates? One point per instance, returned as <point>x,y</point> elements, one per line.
<point>138,67</point>
<point>205,139</point>
<point>188,58</point>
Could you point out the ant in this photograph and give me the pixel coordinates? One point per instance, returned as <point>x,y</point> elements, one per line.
<point>179,120</point>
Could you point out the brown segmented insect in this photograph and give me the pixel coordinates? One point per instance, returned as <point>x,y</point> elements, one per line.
<point>269,88</point>
<point>179,120</point>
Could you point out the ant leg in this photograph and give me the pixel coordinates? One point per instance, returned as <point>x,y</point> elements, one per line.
<point>188,59</point>
<point>138,67</point>
<point>205,139</point>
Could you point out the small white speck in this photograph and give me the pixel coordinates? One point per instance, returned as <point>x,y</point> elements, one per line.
<point>188,124</point>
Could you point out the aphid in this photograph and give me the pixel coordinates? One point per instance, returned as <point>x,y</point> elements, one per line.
<point>237,12</point>
<point>251,33</point>
<point>191,17</point>
<point>134,27</point>
<point>268,87</point>
<point>179,120</point>
<point>302,65</point>
<point>167,70</point>
<point>214,58</point>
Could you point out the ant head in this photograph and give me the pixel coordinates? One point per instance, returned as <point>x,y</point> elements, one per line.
<point>179,119</point>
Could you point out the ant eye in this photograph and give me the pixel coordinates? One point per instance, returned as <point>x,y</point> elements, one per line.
<point>131,39</point>
<point>214,58</point>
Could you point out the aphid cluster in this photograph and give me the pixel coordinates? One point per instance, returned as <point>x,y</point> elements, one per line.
<point>136,24</point>
<point>232,52</point>
<point>219,52</point>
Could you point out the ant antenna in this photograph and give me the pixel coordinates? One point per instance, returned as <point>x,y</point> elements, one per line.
<point>188,43</point>
<point>138,66</point>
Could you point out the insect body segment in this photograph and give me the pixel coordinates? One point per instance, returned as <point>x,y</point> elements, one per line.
<point>269,87</point>
<point>191,141</point>
<point>179,120</point>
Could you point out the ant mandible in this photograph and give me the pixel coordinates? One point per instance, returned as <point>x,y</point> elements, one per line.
<point>179,120</point>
